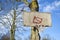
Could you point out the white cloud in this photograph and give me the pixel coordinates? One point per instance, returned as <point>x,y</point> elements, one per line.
<point>57,3</point>
<point>53,6</point>
<point>48,8</point>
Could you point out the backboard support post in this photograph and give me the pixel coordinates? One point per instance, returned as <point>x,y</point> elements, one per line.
<point>34,31</point>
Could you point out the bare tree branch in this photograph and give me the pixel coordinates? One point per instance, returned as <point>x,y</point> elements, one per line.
<point>26,2</point>
<point>6,19</point>
<point>20,12</point>
<point>11,15</point>
<point>2,21</point>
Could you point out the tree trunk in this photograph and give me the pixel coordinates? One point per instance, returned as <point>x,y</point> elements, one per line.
<point>12,35</point>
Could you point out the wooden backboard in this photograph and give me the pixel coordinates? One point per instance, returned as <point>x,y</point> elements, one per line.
<point>37,18</point>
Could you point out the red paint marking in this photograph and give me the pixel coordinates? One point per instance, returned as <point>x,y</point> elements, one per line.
<point>37,20</point>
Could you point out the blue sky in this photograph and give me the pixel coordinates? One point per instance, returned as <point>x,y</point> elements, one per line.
<point>52,6</point>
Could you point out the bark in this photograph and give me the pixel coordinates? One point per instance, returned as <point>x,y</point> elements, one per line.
<point>12,35</point>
